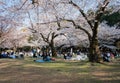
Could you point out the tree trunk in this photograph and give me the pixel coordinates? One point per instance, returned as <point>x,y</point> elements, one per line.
<point>54,54</point>
<point>94,51</point>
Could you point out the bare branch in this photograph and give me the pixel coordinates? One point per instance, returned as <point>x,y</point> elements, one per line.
<point>82,12</point>
<point>30,20</point>
<point>78,27</point>
<point>33,30</point>
<point>100,13</point>
<point>22,4</point>
<point>48,36</point>
<point>101,10</point>
<point>56,35</point>
<point>44,39</point>
<point>58,22</point>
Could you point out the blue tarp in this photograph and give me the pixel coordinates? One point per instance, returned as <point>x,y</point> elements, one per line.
<point>12,56</point>
<point>42,61</point>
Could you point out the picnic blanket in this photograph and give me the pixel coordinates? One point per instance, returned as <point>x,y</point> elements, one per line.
<point>12,56</point>
<point>42,61</point>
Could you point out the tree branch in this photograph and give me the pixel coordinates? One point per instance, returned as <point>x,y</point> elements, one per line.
<point>33,30</point>
<point>78,27</point>
<point>100,12</point>
<point>82,12</point>
<point>48,36</point>
<point>22,5</point>
<point>30,20</point>
<point>58,22</point>
<point>44,39</point>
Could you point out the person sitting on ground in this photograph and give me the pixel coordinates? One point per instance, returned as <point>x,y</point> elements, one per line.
<point>65,55</point>
<point>46,57</point>
<point>4,54</point>
<point>69,55</point>
<point>21,54</point>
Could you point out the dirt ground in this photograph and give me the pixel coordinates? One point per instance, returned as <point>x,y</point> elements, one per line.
<point>28,71</point>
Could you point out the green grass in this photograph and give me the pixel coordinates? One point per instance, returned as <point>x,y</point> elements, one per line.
<point>59,71</point>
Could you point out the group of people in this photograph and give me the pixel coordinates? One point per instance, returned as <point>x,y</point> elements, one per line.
<point>108,56</point>
<point>38,53</point>
<point>77,55</point>
<point>46,55</point>
<point>11,54</point>
<point>67,55</point>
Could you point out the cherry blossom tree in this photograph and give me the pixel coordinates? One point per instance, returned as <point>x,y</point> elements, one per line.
<point>108,35</point>
<point>94,55</point>
<point>67,14</point>
<point>10,22</point>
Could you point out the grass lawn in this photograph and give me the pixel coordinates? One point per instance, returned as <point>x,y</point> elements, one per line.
<point>60,71</point>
